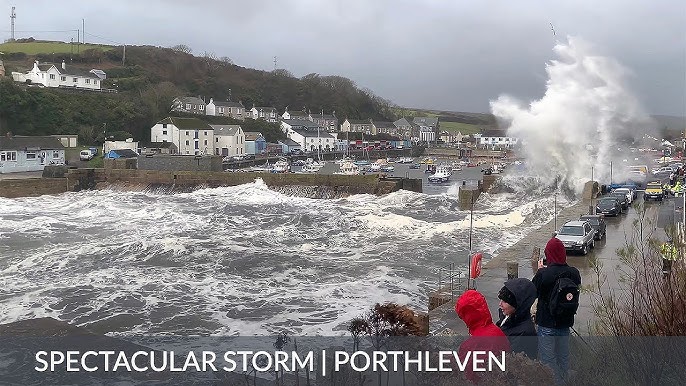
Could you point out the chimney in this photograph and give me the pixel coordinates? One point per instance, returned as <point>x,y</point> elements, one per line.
<point>64,65</point>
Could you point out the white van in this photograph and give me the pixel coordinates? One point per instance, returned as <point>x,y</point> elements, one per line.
<point>85,155</point>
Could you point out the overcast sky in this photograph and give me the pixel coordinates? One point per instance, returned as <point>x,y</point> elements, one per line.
<point>442,54</point>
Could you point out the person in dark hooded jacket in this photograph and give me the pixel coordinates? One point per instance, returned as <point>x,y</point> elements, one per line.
<point>472,308</point>
<point>516,299</point>
<point>553,333</point>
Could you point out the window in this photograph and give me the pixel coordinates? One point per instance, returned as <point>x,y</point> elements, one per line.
<point>30,155</point>
<point>186,133</point>
<point>205,142</point>
<point>3,157</point>
<point>221,110</point>
<point>164,132</point>
<point>202,107</point>
<point>88,81</point>
<point>188,106</point>
<point>55,154</point>
<point>164,125</point>
<point>197,145</point>
<point>95,82</point>
<point>204,133</point>
<point>188,143</point>
<point>64,78</point>
<point>52,76</point>
<point>216,139</point>
<point>75,80</point>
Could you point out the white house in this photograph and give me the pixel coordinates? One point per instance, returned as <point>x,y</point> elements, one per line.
<point>313,140</point>
<point>50,75</point>
<point>234,110</point>
<point>269,114</point>
<point>497,141</point>
<point>190,135</point>
<point>301,115</point>
<point>27,154</point>
<point>288,125</point>
<point>229,140</point>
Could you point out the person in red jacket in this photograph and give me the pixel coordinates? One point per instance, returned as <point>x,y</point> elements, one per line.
<point>472,308</point>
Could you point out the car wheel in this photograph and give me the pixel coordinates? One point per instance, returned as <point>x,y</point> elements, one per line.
<point>584,250</point>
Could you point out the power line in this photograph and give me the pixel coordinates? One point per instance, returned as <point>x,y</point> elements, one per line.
<point>67,30</point>
<point>100,37</point>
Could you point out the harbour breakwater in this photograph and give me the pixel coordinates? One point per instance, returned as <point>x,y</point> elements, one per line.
<point>310,185</point>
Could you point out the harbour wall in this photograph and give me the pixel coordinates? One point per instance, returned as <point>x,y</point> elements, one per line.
<point>313,185</point>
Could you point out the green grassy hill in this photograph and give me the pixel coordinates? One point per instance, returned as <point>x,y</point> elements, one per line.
<point>40,47</point>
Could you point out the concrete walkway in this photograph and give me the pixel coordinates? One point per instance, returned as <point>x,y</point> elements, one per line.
<point>444,321</point>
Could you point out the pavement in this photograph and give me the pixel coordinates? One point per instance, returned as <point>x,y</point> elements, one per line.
<point>444,321</point>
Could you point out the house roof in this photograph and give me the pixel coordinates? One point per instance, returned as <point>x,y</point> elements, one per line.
<point>252,135</point>
<point>323,116</point>
<point>429,121</point>
<point>29,142</point>
<point>68,72</point>
<point>269,109</point>
<point>384,124</point>
<point>192,100</point>
<point>494,133</point>
<point>297,113</point>
<point>359,122</point>
<point>301,123</point>
<point>186,123</point>
<point>314,134</point>
<point>225,130</point>
<point>125,153</point>
<point>227,104</point>
<point>289,142</point>
<point>402,122</point>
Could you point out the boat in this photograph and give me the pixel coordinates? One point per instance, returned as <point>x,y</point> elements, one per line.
<point>281,166</point>
<point>442,174</point>
<point>362,162</point>
<point>415,166</point>
<point>387,168</point>
<point>405,160</point>
<point>349,169</point>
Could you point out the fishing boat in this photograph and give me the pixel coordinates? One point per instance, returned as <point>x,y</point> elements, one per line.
<point>349,169</point>
<point>405,160</point>
<point>281,166</point>
<point>442,174</point>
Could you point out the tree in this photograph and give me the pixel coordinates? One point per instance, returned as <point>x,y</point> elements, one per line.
<point>182,48</point>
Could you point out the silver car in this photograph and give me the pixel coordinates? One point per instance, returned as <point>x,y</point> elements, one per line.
<point>577,236</point>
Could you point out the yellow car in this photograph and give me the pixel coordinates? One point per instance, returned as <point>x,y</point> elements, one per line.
<point>654,191</point>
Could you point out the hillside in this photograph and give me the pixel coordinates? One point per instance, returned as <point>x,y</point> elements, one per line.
<point>148,81</point>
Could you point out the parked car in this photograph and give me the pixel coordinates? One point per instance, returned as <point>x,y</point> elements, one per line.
<point>85,155</point>
<point>629,193</point>
<point>654,191</point>
<point>623,199</point>
<point>609,206</point>
<point>597,222</point>
<point>577,236</point>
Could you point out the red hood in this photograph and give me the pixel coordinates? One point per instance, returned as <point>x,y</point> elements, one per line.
<point>472,308</point>
<point>555,252</point>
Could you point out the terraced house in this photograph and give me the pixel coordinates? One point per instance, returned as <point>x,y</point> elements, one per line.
<point>189,135</point>
<point>234,110</point>
<point>186,104</point>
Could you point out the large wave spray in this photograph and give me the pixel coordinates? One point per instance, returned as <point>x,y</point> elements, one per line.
<point>581,120</point>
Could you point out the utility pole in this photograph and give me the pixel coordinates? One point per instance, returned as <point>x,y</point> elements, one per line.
<point>275,63</point>
<point>83,24</point>
<point>123,57</point>
<point>13,16</point>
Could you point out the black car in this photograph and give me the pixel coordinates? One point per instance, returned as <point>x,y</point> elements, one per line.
<point>609,206</point>
<point>597,222</point>
<point>621,197</point>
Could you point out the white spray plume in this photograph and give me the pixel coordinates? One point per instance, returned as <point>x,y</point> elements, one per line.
<point>576,125</point>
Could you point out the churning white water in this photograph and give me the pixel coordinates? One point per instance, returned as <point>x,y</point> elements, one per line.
<point>581,121</point>
<point>237,260</point>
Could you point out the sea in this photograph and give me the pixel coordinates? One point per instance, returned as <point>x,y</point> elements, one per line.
<point>245,260</point>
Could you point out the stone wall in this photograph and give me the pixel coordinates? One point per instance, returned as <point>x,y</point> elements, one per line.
<point>178,162</point>
<point>32,187</point>
<point>188,180</point>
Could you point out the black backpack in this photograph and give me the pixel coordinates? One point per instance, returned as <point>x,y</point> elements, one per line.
<point>564,298</point>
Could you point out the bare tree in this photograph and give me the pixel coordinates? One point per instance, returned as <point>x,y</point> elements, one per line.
<point>182,48</point>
